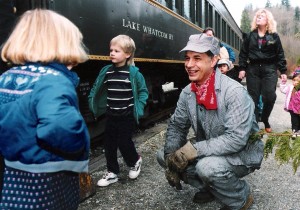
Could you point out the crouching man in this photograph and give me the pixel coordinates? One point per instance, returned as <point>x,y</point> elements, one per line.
<point>221,113</point>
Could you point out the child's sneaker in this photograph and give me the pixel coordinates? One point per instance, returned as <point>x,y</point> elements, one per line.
<point>135,171</point>
<point>107,179</point>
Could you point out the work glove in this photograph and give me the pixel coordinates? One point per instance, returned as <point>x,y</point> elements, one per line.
<point>173,179</point>
<point>180,159</point>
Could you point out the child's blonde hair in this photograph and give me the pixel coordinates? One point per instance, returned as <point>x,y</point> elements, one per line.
<point>271,23</point>
<point>127,44</point>
<point>44,36</point>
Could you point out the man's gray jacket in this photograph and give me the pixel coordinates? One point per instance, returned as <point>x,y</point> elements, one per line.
<point>226,130</point>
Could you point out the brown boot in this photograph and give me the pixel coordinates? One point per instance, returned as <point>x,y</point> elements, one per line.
<point>248,203</point>
<point>203,197</point>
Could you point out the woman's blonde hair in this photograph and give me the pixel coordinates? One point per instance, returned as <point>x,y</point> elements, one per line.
<point>44,36</point>
<point>127,44</point>
<point>271,23</point>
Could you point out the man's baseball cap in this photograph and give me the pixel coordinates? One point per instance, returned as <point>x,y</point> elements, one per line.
<point>202,43</point>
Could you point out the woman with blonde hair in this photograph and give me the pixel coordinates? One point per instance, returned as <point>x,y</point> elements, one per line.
<point>262,47</point>
<point>43,137</point>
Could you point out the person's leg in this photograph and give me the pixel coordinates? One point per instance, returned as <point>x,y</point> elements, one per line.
<point>297,125</point>
<point>111,145</point>
<point>125,143</point>
<point>268,91</point>
<point>294,121</point>
<point>224,180</point>
<point>260,108</point>
<point>254,86</point>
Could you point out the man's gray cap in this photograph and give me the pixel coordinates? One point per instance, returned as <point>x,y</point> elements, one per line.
<point>202,43</point>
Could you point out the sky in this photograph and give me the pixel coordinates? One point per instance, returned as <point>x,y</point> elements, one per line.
<point>236,7</point>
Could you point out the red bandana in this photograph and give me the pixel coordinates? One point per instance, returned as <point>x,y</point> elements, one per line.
<point>205,94</point>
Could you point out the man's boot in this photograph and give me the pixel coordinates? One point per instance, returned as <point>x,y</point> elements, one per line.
<point>203,197</point>
<point>248,203</point>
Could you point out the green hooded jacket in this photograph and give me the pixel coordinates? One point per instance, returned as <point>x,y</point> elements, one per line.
<point>98,95</point>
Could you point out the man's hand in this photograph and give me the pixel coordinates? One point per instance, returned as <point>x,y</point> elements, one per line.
<point>176,161</point>
<point>179,160</point>
<point>173,179</point>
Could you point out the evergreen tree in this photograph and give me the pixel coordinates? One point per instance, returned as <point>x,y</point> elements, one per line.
<point>297,13</point>
<point>297,20</point>
<point>245,21</point>
<point>268,4</point>
<point>286,3</point>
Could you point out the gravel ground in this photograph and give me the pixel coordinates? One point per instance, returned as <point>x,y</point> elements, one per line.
<point>274,187</point>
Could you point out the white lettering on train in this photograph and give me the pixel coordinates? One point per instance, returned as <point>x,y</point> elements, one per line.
<point>131,25</point>
<point>146,29</point>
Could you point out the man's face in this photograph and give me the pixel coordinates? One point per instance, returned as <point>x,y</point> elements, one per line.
<point>199,66</point>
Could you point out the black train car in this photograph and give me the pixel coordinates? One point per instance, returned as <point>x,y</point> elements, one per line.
<point>160,30</point>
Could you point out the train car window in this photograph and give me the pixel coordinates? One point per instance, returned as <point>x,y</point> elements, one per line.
<point>192,11</point>
<point>228,35</point>
<point>231,37</point>
<point>217,25</point>
<point>236,42</point>
<point>162,2</point>
<point>199,13</point>
<point>208,15</point>
<point>179,7</point>
<point>186,6</point>
<point>169,4</point>
<point>210,20</point>
<point>223,30</point>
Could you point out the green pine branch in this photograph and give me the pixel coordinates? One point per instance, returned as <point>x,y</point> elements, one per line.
<point>287,150</point>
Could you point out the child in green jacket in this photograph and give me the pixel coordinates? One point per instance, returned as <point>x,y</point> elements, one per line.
<point>121,93</point>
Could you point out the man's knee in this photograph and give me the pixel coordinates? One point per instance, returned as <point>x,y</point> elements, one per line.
<point>209,167</point>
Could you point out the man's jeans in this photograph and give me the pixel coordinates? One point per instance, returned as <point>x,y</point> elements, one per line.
<point>216,175</point>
